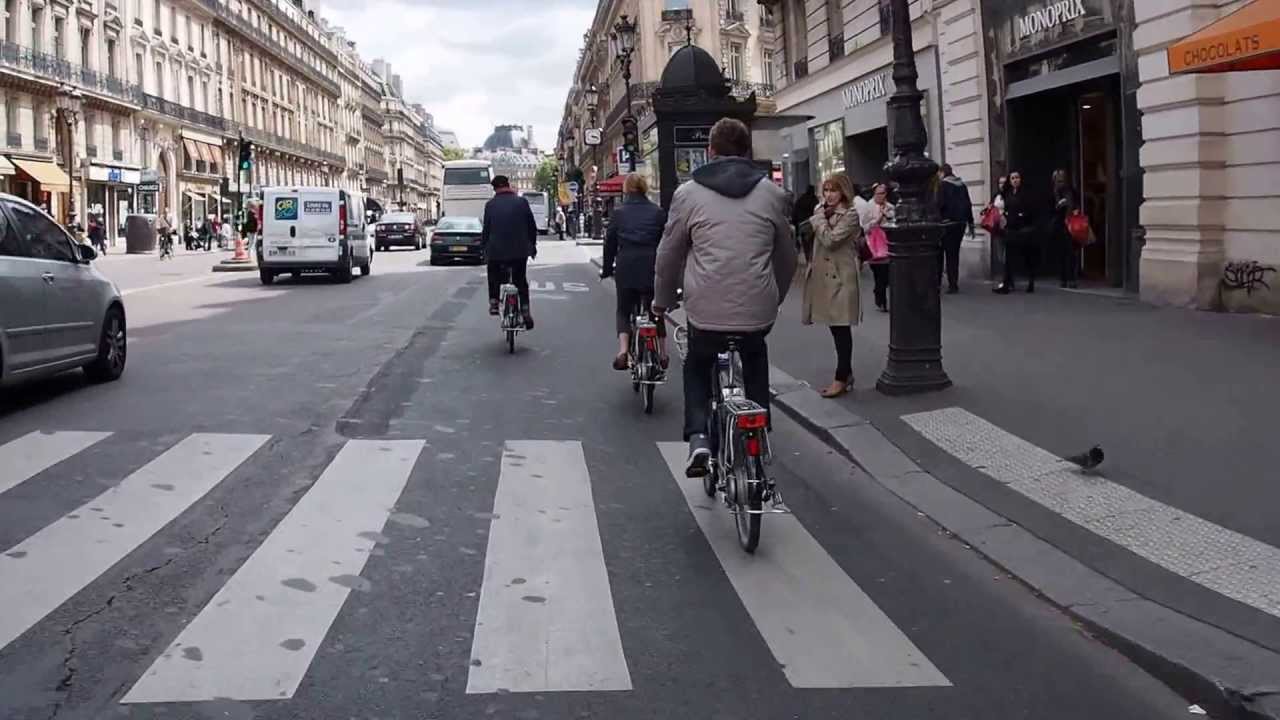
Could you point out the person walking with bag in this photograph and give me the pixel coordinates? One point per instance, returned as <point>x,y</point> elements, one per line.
<point>1065,203</point>
<point>1020,234</point>
<point>877,213</point>
<point>832,288</point>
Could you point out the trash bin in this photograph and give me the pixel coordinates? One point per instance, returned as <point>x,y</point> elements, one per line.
<point>139,234</point>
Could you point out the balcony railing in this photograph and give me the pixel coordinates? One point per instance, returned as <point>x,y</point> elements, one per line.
<point>243,26</point>
<point>117,155</point>
<point>42,144</point>
<point>742,89</point>
<point>51,67</point>
<point>91,150</point>
<point>377,174</point>
<point>271,139</point>
<point>801,68</point>
<point>284,17</point>
<point>13,139</point>
<point>733,16</point>
<point>767,23</point>
<point>191,115</point>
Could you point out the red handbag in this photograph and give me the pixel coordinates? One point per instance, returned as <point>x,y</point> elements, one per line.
<point>1078,227</point>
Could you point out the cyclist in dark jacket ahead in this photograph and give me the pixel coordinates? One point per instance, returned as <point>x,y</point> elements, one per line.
<point>630,249</point>
<point>510,238</point>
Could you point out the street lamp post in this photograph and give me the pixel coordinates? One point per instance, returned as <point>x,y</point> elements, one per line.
<point>593,98</point>
<point>915,320</point>
<point>625,33</point>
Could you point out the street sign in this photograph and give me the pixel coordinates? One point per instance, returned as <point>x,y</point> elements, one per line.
<point>574,187</point>
<point>592,136</point>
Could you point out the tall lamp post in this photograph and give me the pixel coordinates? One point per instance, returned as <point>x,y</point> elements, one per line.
<point>625,33</point>
<point>915,321</point>
<point>592,96</point>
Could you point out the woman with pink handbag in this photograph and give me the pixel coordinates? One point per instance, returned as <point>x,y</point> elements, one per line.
<point>877,213</point>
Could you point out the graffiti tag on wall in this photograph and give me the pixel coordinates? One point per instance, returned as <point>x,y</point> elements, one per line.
<point>1246,275</point>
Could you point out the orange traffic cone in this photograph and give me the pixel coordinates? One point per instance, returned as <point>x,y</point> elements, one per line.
<point>240,255</point>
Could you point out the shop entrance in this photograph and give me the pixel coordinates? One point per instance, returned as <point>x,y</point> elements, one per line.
<point>866,155</point>
<point>1075,128</point>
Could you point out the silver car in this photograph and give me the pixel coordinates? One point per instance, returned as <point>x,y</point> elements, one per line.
<point>57,312</point>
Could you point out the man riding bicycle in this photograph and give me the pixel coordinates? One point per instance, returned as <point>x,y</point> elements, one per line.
<point>510,238</point>
<point>728,242</point>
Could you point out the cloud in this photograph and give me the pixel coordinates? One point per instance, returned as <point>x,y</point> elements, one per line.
<point>474,64</point>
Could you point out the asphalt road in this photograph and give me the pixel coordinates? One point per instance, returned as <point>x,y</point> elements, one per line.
<point>348,501</point>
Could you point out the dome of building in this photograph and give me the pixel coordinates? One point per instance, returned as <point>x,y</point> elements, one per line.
<point>692,68</point>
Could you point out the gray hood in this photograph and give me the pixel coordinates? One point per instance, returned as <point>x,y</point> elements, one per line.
<point>952,179</point>
<point>733,177</point>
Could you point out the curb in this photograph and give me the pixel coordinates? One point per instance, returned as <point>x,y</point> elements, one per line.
<point>232,266</point>
<point>1231,678</point>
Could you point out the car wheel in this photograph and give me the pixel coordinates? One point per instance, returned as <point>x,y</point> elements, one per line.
<point>266,276</point>
<point>113,348</point>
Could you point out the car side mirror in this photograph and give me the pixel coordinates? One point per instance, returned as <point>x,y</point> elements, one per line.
<point>85,253</point>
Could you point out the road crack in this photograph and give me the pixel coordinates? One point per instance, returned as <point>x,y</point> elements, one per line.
<point>69,668</point>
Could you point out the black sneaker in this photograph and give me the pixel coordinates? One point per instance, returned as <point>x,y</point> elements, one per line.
<point>699,457</point>
<point>493,307</point>
<point>528,321</point>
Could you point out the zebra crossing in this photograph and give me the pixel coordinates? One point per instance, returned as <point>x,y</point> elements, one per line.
<point>546,619</point>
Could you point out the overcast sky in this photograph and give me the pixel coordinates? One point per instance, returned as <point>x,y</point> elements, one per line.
<point>474,63</point>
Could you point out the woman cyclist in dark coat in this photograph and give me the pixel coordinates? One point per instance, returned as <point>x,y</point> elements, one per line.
<point>630,249</point>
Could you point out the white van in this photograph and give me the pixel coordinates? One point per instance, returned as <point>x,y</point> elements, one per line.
<point>538,204</point>
<point>313,229</point>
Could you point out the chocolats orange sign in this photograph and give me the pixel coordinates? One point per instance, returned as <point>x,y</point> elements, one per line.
<point>1234,42</point>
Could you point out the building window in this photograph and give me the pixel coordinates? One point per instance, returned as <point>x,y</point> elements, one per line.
<point>204,94</point>
<point>111,57</point>
<point>155,17</point>
<point>137,70</point>
<point>86,43</point>
<point>159,88</point>
<point>191,35</point>
<point>767,63</point>
<point>735,61</point>
<point>59,42</point>
<point>11,21</point>
<point>835,29</point>
<point>827,148</point>
<point>191,91</point>
<point>37,29</point>
<point>886,16</point>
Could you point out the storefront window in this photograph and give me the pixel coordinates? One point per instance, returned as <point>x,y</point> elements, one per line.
<point>826,147</point>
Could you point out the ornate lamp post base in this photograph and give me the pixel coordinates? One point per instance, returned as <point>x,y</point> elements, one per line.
<point>915,237</point>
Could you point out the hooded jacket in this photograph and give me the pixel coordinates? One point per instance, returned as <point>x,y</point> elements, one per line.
<point>728,243</point>
<point>954,204</point>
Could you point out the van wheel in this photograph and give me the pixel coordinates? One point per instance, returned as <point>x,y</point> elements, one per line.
<point>346,272</point>
<point>266,276</point>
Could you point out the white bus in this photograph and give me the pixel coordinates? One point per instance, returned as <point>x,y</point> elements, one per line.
<point>538,203</point>
<point>466,188</point>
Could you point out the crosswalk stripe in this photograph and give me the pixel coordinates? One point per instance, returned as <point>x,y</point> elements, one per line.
<point>258,635</point>
<point>42,572</point>
<point>546,619</point>
<point>1222,560</point>
<point>35,452</point>
<point>819,625</point>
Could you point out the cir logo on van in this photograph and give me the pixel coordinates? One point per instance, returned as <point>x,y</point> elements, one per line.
<point>286,209</point>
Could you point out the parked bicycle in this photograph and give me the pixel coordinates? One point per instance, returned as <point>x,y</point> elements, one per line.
<point>738,429</point>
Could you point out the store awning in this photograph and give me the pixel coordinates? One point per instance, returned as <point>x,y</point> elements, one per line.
<point>6,167</point>
<point>50,176</point>
<point>193,150</point>
<point>1248,39</point>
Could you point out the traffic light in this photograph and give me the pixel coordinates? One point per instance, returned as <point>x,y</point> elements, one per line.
<point>246,155</point>
<point>630,135</point>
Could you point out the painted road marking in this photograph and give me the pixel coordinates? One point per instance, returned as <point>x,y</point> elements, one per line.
<point>546,620</point>
<point>45,570</point>
<point>1222,560</point>
<point>257,636</point>
<point>819,625</point>
<point>35,452</point>
<point>211,279</point>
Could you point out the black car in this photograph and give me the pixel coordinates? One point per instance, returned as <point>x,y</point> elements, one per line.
<point>457,238</point>
<point>398,229</point>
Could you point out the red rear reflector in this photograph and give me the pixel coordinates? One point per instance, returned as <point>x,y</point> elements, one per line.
<point>342,219</point>
<point>648,332</point>
<point>753,446</point>
<point>752,421</point>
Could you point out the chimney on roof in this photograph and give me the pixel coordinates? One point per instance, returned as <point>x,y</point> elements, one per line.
<point>397,85</point>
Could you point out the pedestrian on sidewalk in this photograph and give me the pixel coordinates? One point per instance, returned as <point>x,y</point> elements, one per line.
<point>805,206</point>
<point>956,208</point>
<point>630,249</point>
<point>728,243</point>
<point>560,220</point>
<point>877,213</point>
<point>1021,242</point>
<point>832,289</point>
<point>1065,202</point>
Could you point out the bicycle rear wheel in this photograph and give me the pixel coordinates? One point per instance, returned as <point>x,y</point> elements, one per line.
<point>511,342</point>
<point>749,481</point>
<point>646,396</point>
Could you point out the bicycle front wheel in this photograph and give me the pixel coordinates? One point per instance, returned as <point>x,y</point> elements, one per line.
<point>749,492</point>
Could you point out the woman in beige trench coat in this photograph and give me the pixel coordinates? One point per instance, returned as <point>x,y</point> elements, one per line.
<point>832,294</point>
